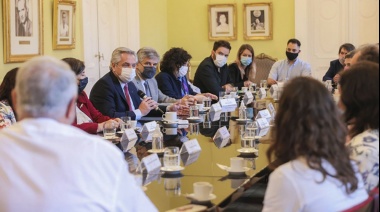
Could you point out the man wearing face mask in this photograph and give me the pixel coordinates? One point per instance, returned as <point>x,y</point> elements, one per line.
<point>115,95</point>
<point>212,73</point>
<point>291,67</point>
<point>148,59</point>
<point>87,117</point>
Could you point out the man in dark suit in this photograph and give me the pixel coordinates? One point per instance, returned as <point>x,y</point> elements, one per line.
<point>337,65</point>
<point>212,74</point>
<point>115,95</point>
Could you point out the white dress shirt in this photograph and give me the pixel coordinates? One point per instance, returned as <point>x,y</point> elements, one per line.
<point>136,111</point>
<point>49,166</point>
<point>295,187</point>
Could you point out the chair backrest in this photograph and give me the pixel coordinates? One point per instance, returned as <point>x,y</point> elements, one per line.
<point>263,65</point>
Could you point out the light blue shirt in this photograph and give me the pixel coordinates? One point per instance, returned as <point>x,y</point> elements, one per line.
<point>283,71</point>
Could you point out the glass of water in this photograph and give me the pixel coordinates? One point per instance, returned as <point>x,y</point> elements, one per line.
<point>194,111</point>
<point>207,102</point>
<point>263,83</point>
<point>126,123</point>
<point>109,130</point>
<point>171,157</point>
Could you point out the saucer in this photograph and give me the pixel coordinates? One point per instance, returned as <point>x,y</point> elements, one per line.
<point>170,121</point>
<point>194,120</point>
<point>158,151</point>
<point>206,108</point>
<point>247,150</point>
<point>210,197</point>
<point>245,169</point>
<point>175,169</point>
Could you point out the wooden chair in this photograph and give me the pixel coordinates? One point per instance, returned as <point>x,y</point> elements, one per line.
<point>263,65</point>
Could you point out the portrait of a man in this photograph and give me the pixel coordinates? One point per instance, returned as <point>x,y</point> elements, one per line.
<point>24,27</point>
<point>64,24</point>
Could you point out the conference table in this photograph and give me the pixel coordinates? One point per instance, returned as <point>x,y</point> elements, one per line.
<point>172,190</point>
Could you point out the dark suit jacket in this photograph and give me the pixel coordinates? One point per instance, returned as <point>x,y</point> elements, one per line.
<point>108,97</point>
<point>235,75</point>
<point>171,86</point>
<point>335,67</point>
<point>208,79</point>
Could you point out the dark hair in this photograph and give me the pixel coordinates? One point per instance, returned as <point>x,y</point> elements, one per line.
<point>369,53</point>
<point>7,86</point>
<point>221,43</point>
<point>347,46</point>
<point>174,59</point>
<point>350,54</point>
<point>360,96</point>
<point>241,50</point>
<point>309,126</point>
<point>76,65</point>
<point>293,40</point>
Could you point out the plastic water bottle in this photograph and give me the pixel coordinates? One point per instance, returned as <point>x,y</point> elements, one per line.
<point>157,143</point>
<point>242,111</point>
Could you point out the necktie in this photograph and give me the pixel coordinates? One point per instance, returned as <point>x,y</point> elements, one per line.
<point>147,91</point>
<point>127,97</point>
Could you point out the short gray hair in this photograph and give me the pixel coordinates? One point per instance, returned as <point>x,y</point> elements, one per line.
<point>147,52</point>
<point>116,54</point>
<point>44,87</point>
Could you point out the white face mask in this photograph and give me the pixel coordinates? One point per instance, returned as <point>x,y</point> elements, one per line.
<point>183,71</point>
<point>127,74</point>
<point>220,60</point>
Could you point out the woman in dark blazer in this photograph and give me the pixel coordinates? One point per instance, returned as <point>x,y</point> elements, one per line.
<point>172,80</point>
<point>243,70</point>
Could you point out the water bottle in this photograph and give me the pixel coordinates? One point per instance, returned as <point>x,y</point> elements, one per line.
<point>242,111</point>
<point>157,143</point>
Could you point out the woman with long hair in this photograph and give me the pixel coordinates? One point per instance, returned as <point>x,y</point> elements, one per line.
<point>313,171</point>
<point>243,70</point>
<point>7,114</point>
<point>359,89</point>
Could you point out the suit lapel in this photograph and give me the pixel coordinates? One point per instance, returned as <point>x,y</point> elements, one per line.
<point>133,94</point>
<point>118,88</point>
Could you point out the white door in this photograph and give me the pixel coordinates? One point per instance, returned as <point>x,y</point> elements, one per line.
<point>323,25</point>
<point>107,24</point>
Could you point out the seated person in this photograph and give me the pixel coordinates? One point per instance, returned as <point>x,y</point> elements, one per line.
<point>359,99</point>
<point>347,63</point>
<point>116,96</point>
<point>48,165</point>
<point>314,171</point>
<point>244,67</point>
<point>7,115</point>
<point>172,79</point>
<point>87,117</point>
<point>337,65</point>
<point>212,73</point>
<point>284,70</point>
<point>369,52</point>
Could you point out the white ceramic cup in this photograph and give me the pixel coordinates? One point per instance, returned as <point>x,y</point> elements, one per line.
<point>236,163</point>
<point>202,190</point>
<point>170,116</point>
<point>170,131</point>
<point>244,89</point>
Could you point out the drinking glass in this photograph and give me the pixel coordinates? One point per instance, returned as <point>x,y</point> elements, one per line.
<point>263,84</point>
<point>126,123</point>
<point>171,157</point>
<point>207,102</point>
<point>194,129</point>
<point>194,111</point>
<point>109,130</point>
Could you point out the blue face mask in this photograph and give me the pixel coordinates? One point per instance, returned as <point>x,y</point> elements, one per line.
<point>245,61</point>
<point>82,84</point>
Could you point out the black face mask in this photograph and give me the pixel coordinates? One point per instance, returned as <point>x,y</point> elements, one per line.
<point>82,84</point>
<point>291,56</point>
<point>148,72</point>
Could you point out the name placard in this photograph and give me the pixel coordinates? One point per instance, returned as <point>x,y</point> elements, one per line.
<point>262,123</point>
<point>264,114</point>
<point>228,105</point>
<point>263,132</point>
<point>215,107</point>
<point>262,93</point>
<point>146,136</point>
<point>190,147</point>
<point>248,98</point>
<point>149,126</point>
<point>151,162</point>
<point>128,139</point>
<point>188,159</point>
<point>222,137</point>
<point>215,112</point>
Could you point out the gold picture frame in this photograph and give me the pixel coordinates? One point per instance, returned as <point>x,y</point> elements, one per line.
<point>23,30</point>
<point>258,21</point>
<point>64,24</point>
<point>222,21</point>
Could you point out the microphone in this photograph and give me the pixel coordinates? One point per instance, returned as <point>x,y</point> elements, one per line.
<point>142,95</point>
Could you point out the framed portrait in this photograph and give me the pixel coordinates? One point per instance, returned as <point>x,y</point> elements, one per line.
<point>64,24</point>
<point>222,21</point>
<point>23,34</point>
<point>258,21</point>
